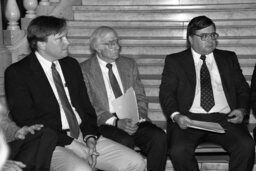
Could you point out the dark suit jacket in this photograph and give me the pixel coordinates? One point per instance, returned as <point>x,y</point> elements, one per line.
<point>178,84</point>
<point>253,91</point>
<point>129,74</point>
<point>31,99</point>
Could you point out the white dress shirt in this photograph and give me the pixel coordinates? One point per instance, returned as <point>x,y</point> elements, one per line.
<point>110,93</point>
<point>221,104</point>
<point>46,65</point>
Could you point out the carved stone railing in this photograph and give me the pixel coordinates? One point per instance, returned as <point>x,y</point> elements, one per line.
<point>13,42</point>
<point>14,37</point>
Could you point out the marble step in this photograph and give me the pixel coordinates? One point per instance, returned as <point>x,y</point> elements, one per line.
<point>157,70</point>
<point>161,50</point>
<point>169,8</point>
<point>155,24</point>
<point>165,32</point>
<point>165,40</point>
<point>161,2</point>
<point>164,15</point>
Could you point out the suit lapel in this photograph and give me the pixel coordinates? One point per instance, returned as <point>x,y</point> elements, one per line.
<point>189,66</point>
<point>224,72</point>
<point>40,77</point>
<point>96,74</point>
<point>123,73</point>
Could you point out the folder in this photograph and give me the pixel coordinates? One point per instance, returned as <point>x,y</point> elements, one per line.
<point>126,106</point>
<point>207,126</point>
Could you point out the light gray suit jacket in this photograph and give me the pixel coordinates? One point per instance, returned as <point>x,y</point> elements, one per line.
<point>129,74</point>
<point>8,127</point>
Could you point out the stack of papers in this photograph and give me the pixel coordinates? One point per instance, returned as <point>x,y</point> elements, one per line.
<point>126,106</point>
<point>207,126</point>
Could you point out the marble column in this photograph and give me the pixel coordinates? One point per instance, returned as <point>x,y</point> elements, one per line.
<point>5,58</point>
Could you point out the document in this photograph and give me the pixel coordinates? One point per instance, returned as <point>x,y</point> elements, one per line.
<point>126,106</point>
<point>207,126</point>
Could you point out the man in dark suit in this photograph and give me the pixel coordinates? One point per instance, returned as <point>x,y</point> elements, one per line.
<point>204,83</point>
<point>151,139</point>
<point>253,97</point>
<point>47,87</point>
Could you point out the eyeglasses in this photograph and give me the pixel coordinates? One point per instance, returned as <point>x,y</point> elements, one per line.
<point>112,43</point>
<point>206,36</point>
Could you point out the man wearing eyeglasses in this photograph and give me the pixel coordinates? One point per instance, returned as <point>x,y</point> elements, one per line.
<point>107,76</point>
<point>206,84</point>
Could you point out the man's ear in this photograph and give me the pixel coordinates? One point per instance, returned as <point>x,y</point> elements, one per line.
<point>97,48</point>
<point>41,45</point>
<point>190,39</point>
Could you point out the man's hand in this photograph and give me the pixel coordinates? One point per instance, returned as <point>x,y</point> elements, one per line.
<point>11,165</point>
<point>79,148</point>
<point>91,144</point>
<point>127,126</point>
<point>22,132</point>
<point>182,120</point>
<point>236,116</point>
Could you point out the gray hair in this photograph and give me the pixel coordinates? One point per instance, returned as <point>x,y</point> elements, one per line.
<point>97,36</point>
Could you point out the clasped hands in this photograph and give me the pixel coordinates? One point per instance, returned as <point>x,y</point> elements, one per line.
<point>84,150</point>
<point>127,125</point>
<point>236,116</point>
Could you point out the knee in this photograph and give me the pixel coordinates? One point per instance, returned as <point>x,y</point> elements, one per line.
<point>177,152</point>
<point>160,138</point>
<point>136,163</point>
<point>81,167</point>
<point>127,141</point>
<point>245,147</point>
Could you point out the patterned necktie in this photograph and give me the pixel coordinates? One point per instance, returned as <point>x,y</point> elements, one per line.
<point>71,118</point>
<point>207,100</point>
<point>114,84</point>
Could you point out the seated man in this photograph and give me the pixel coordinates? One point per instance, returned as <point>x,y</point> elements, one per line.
<point>107,76</point>
<point>47,87</point>
<point>4,150</point>
<point>253,97</point>
<point>207,84</point>
<point>30,147</point>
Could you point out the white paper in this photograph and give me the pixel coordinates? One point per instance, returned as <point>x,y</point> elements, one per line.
<point>126,106</point>
<point>207,126</point>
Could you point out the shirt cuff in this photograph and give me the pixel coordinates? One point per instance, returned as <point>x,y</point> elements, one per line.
<point>111,121</point>
<point>90,136</point>
<point>174,114</point>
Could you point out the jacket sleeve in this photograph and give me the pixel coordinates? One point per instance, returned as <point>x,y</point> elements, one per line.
<point>140,93</point>
<point>168,88</point>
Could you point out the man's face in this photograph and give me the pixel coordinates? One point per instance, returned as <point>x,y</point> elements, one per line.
<point>56,46</point>
<point>206,45</point>
<point>108,47</point>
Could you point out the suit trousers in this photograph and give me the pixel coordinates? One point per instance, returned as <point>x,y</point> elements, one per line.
<point>237,141</point>
<point>35,150</point>
<point>149,138</point>
<point>113,157</point>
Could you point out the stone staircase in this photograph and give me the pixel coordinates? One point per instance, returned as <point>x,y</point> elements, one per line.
<point>151,29</point>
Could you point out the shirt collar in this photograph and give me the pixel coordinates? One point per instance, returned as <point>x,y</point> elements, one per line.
<point>44,62</point>
<point>103,63</point>
<point>196,57</point>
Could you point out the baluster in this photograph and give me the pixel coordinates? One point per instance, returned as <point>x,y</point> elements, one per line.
<point>30,6</point>
<point>44,2</point>
<point>12,14</point>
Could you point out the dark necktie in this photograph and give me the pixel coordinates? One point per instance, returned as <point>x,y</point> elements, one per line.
<point>207,99</point>
<point>114,84</point>
<point>72,121</point>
